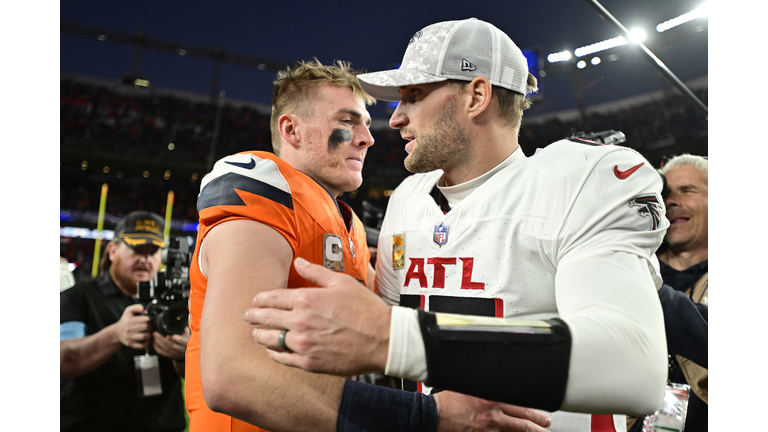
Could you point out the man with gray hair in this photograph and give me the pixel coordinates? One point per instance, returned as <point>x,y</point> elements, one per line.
<point>684,296</point>
<point>687,237</point>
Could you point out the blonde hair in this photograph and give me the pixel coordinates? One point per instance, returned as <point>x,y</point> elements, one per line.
<point>294,86</point>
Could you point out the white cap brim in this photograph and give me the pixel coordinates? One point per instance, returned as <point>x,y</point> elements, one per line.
<point>385,85</point>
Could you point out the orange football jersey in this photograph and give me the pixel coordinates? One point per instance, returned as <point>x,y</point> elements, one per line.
<point>261,187</point>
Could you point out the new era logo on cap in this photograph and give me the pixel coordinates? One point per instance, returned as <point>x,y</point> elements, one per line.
<point>466,65</point>
<point>415,37</point>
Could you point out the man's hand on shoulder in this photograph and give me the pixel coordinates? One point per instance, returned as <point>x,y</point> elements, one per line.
<point>340,329</point>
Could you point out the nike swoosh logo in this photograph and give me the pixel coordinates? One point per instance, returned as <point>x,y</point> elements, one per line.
<point>621,175</point>
<point>248,165</point>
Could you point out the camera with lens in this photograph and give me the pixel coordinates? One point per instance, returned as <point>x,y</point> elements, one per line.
<point>165,298</point>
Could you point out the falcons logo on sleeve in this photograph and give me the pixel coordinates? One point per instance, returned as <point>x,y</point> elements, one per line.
<point>649,206</point>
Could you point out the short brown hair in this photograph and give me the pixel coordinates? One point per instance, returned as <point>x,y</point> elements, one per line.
<point>511,103</point>
<point>294,85</point>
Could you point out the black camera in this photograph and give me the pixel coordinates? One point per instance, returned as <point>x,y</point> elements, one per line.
<point>165,299</point>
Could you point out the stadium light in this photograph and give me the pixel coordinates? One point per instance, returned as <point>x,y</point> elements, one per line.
<point>636,35</point>
<point>600,46</point>
<point>106,234</point>
<point>559,57</point>
<point>135,80</point>
<point>701,11</point>
<point>581,64</point>
<point>595,61</point>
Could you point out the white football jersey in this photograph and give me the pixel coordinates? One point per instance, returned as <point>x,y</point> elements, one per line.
<point>570,232</point>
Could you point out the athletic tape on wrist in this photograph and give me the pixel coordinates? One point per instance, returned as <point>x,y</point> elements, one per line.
<point>523,364</point>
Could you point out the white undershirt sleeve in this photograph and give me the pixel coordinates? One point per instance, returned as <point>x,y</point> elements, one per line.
<point>407,357</point>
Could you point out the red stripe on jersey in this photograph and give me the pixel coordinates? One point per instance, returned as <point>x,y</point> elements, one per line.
<point>499,304</point>
<point>602,423</point>
<point>422,301</point>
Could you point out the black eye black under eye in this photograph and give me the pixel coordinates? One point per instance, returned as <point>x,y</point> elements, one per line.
<point>338,137</point>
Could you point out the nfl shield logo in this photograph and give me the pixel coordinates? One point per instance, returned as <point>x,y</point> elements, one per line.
<point>441,235</point>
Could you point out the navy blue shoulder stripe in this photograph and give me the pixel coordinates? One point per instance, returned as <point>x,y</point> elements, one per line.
<point>221,191</point>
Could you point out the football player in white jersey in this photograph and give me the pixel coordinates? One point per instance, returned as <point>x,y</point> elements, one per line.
<point>558,248</point>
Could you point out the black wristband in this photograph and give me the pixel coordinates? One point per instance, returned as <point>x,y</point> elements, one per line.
<point>371,408</point>
<point>529,370</point>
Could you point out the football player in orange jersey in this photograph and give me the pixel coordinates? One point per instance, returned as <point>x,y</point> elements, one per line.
<point>258,212</point>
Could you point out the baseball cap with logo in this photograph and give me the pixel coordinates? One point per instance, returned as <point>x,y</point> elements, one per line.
<point>461,50</point>
<point>141,228</point>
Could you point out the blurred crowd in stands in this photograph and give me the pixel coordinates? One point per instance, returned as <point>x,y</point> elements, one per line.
<point>115,121</point>
<point>145,123</point>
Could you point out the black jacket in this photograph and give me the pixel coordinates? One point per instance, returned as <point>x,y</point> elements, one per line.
<point>106,399</point>
<point>685,322</point>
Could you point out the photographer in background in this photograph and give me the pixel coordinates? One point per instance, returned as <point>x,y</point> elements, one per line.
<point>117,373</point>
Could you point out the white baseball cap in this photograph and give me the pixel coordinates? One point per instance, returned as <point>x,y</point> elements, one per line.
<point>461,50</point>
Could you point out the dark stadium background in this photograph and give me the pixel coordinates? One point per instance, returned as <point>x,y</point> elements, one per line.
<point>209,60</point>
<point>372,37</point>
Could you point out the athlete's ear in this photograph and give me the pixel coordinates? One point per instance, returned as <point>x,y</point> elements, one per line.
<point>481,92</point>
<point>288,125</point>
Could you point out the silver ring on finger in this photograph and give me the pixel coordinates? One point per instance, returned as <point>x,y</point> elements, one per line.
<point>281,341</point>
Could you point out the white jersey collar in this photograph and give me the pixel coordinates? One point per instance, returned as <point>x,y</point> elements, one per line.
<point>456,193</point>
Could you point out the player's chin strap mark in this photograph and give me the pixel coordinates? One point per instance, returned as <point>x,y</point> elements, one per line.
<point>504,355</point>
